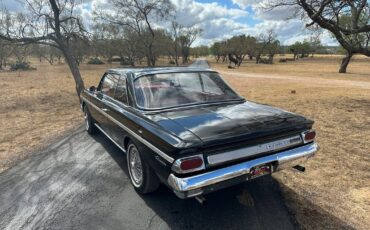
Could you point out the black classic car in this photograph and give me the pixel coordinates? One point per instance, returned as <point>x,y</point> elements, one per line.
<point>186,128</point>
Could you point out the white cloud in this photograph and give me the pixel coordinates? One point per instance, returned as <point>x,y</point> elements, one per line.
<point>288,28</point>
<point>275,14</point>
<point>243,4</point>
<point>190,12</point>
<point>217,21</point>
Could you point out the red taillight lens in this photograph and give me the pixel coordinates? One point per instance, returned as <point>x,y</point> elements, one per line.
<point>309,136</point>
<point>191,163</point>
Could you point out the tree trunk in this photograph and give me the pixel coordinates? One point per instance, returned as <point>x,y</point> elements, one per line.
<point>223,58</point>
<point>148,63</point>
<point>176,59</point>
<point>73,66</point>
<point>176,54</point>
<point>185,59</point>
<point>271,59</point>
<point>150,56</point>
<point>345,62</point>
<point>258,58</point>
<point>217,58</point>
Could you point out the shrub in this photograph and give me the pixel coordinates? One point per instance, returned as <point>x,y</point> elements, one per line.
<point>126,61</point>
<point>172,62</point>
<point>265,61</point>
<point>282,60</point>
<point>21,65</point>
<point>114,59</point>
<point>95,61</point>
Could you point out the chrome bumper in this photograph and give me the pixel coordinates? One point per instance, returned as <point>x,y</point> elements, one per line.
<point>192,186</point>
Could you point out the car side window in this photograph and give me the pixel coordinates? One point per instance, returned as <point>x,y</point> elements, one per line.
<point>121,90</point>
<point>108,84</point>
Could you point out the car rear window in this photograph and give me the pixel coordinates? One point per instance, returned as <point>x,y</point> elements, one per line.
<point>158,91</point>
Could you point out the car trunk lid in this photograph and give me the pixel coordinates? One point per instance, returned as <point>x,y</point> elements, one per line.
<point>226,123</point>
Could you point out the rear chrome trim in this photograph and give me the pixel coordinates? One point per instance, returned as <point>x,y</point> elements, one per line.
<point>253,150</point>
<point>186,184</point>
<point>136,136</point>
<point>106,134</point>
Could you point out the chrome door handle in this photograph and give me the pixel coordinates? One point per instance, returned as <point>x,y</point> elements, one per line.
<point>105,109</point>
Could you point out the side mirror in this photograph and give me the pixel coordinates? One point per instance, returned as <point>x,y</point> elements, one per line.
<point>92,88</point>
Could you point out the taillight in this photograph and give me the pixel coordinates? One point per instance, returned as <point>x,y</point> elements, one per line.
<point>309,136</point>
<point>188,164</point>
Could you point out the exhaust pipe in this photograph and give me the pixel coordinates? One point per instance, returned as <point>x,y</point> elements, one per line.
<point>201,200</point>
<point>300,168</point>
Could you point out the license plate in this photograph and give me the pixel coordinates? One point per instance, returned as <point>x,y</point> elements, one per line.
<point>260,170</point>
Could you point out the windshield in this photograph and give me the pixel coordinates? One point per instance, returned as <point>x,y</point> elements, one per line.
<point>159,91</point>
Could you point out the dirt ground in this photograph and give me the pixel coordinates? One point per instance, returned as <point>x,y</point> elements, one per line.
<point>334,192</point>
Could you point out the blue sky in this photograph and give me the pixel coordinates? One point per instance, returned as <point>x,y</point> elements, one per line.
<point>249,20</point>
<point>220,20</point>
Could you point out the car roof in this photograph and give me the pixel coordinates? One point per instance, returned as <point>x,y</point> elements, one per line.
<point>137,72</point>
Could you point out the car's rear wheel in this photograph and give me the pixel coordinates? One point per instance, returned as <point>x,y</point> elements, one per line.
<point>142,177</point>
<point>89,123</point>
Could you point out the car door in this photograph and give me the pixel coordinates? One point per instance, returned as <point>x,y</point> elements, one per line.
<point>119,107</point>
<point>109,85</point>
<point>96,100</point>
<point>105,91</point>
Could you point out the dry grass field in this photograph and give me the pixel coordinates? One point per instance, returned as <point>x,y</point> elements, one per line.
<point>334,192</point>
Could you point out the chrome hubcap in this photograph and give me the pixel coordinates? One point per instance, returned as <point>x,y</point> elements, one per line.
<point>135,166</point>
<point>86,120</point>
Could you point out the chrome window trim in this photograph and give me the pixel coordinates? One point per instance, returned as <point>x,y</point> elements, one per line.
<point>139,138</point>
<point>253,150</point>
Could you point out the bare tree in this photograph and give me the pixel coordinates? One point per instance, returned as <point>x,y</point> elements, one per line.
<point>271,49</point>
<point>199,51</point>
<point>21,53</point>
<point>347,20</point>
<point>6,50</point>
<point>79,47</point>
<point>251,44</point>
<point>175,34</point>
<point>186,39</point>
<point>236,47</point>
<point>53,23</point>
<point>216,50</point>
<point>240,46</point>
<point>267,44</point>
<point>105,40</point>
<point>110,39</point>
<point>49,53</point>
<point>138,15</point>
